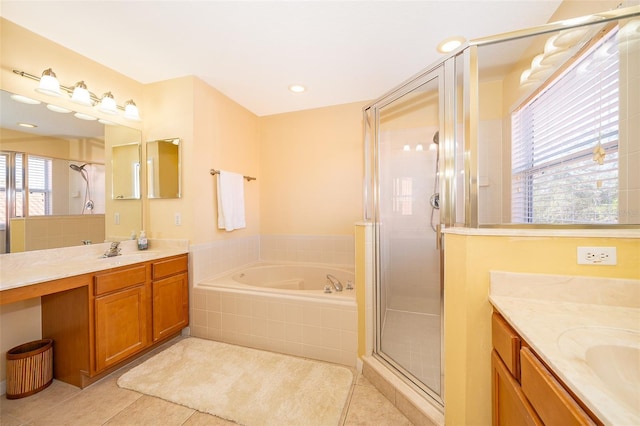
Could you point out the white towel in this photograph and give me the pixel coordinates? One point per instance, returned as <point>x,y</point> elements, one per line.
<point>230,201</point>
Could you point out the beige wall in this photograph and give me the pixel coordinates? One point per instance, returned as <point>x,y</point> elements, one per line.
<point>226,138</point>
<point>311,168</point>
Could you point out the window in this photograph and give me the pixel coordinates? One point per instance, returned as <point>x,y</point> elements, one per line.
<point>40,186</point>
<point>565,144</point>
<point>403,196</point>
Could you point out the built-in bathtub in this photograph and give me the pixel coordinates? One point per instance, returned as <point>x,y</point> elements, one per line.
<point>280,307</point>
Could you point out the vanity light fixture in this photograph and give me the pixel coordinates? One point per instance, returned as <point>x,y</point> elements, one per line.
<point>524,77</point>
<point>297,88</point>
<point>81,95</point>
<point>131,110</point>
<point>450,44</point>
<point>108,104</point>
<point>48,84</point>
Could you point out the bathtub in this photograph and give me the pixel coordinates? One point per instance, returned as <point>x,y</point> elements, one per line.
<point>280,307</point>
<point>306,280</point>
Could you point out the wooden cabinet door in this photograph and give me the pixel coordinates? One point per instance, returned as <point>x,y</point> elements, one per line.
<point>121,325</point>
<point>550,400</point>
<point>170,306</point>
<point>510,406</point>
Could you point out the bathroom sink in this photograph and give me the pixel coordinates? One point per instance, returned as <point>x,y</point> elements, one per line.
<point>618,367</point>
<point>610,354</point>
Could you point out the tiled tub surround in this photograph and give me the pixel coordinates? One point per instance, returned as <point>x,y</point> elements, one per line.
<point>561,317</point>
<point>304,323</point>
<point>217,257</point>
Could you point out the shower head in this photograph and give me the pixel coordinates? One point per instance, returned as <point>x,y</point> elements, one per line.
<point>436,137</point>
<point>77,168</point>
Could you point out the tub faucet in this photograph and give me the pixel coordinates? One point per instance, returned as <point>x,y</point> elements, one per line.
<point>114,250</point>
<point>335,282</point>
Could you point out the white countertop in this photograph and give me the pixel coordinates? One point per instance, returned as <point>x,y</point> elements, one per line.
<point>562,317</point>
<point>33,267</point>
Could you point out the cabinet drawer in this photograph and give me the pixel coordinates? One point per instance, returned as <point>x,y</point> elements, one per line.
<point>165,268</point>
<point>112,281</point>
<point>507,343</point>
<point>551,401</point>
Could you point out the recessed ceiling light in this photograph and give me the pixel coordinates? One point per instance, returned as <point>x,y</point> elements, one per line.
<point>297,88</point>
<point>25,100</point>
<point>83,116</point>
<point>29,125</point>
<point>56,108</point>
<point>450,44</point>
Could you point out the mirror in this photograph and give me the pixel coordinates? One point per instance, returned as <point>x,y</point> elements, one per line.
<point>76,156</point>
<point>125,171</point>
<point>163,168</point>
<point>557,132</point>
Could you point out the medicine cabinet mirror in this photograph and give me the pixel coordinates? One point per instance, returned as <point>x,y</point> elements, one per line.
<point>125,164</point>
<point>163,168</point>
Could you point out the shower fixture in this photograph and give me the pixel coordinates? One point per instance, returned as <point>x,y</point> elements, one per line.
<point>88,202</point>
<point>434,200</point>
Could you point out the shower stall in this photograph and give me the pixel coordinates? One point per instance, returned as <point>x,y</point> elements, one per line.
<point>444,150</point>
<point>404,129</point>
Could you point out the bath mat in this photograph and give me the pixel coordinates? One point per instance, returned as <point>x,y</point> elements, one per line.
<point>244,385</point>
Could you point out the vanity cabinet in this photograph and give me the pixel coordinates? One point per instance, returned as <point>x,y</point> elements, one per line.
<point>112,316</point>
<point>121,305</point>
<point>170,289</point>
<point>524,390</point>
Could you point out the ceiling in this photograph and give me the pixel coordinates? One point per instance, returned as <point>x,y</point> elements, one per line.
<point>342,51</point>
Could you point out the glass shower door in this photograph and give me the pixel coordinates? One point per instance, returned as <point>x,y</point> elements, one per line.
<point>409,289</point>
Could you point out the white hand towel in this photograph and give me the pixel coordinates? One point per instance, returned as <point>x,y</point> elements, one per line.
<point>230,201</point>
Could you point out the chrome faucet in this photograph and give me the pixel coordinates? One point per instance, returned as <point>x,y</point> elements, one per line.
<point>335,282</point>
<point>114,250</point>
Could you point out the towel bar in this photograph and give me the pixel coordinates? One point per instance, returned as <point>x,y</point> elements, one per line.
<point>217,172</point>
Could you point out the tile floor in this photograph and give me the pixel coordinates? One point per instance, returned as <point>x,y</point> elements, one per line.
<point>104,403</point>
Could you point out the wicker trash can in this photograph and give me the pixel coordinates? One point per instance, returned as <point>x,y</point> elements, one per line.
<point>29,368</point>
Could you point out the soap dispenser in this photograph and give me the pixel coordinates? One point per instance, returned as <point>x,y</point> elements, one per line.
<point>143,244</point>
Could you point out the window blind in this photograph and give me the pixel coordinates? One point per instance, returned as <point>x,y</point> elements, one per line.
<point>40,187</point>
<point>554,176</point>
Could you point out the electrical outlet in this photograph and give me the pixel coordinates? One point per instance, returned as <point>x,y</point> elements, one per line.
<point>116,218</point>
<point>597,256</point>
<point>177,219</point>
